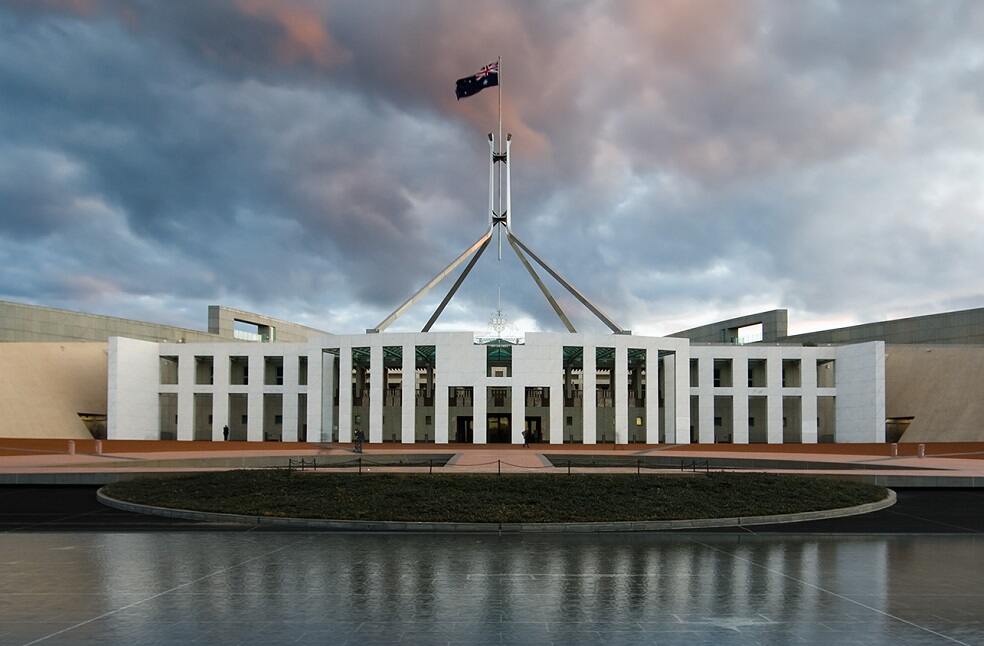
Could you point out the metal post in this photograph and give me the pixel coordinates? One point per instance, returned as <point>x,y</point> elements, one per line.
<point>499,466</point>
<point>638,466</point>
<point>434,281</point>
<point>568,467</point>
<point>430,466</point>
<point>454,288</point>
<point>614,327</point>
<point>360,464</point>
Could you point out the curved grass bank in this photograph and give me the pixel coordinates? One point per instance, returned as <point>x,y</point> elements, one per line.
<point>495,499</point>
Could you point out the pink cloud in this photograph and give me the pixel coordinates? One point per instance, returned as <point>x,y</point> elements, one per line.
<point>304,37</point>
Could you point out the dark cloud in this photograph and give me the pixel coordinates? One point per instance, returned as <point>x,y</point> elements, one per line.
<point>678,161</point>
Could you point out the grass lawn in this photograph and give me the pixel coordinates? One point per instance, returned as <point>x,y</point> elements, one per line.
<point>495,499</point>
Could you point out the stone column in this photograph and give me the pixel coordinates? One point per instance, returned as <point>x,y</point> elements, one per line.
<point>620,374</point>
<point>408,395</point>
<point>345,394</point>
<point>377,378</point>
<point>652,396</point>
<point>589,417</point>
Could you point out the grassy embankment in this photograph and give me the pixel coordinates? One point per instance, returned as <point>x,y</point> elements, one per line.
<point>495,499</point>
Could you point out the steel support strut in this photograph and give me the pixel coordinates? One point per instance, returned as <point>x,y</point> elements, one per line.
<point>454,288</point>
<point>615,327</point>
<point>385,323</point>
<point>539,283</point>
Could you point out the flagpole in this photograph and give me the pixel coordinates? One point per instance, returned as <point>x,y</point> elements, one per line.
<point>498,66</point>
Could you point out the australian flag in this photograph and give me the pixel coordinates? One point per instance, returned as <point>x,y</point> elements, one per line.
<point>488,76</point>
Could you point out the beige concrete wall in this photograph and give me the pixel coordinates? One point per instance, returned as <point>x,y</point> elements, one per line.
<point>774,327</point>
<point>961,327</point>
<point>44,386</point>
<point>25,322</point>
<point>222,322</point>
<point>941,386</point>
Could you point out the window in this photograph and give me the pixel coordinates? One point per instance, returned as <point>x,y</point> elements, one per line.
<point>427,420</point>
<point>169,370</point>
<point>243,420</point>
<point>302,369</point>
<point>638,421</point>
<point>751,421</point>
<point>278,419</point>
<point>717,421</point>
<point>570,420</point>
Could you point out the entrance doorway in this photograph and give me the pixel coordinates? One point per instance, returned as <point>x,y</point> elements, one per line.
<point>534,426</point>
<point>465,432</point>
<point>499,428</point>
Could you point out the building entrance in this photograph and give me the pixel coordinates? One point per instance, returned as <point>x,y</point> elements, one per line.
<point>499,428</point>
<point>534,426</point>
<point>465,432</point>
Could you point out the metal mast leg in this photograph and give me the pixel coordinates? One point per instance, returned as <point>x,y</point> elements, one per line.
<point>433,281</point>
<point>615,327</point>
<point>543,288</point>
<point>454,288</point>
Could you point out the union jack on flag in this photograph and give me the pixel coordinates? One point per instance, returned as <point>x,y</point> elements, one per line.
<point>491,68</point>
<point>488,76</point>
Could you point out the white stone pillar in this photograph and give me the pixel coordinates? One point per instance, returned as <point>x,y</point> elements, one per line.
<point>589,433</point>
<point>518,411</point>
<point>441,411</point>
<point>652,396</point>
<point>479,411</point>
<point>556,385</point>
<point>289,410</point>
<point>323,390</point>
<point>254,398</point>
<point>408,395</point>
<point>320,374</point>
<point>681,377</point>
<point>220,394</point>
<point>345,394</point>
<point>808,401</point>
<point>774,395</point>
<point>621,375</point>
<point>376,394</point>
<point>705,399</point>
<point>186,397</point>
<point>739,403</point>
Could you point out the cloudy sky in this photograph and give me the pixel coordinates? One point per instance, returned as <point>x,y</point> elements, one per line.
<point>679,161</point>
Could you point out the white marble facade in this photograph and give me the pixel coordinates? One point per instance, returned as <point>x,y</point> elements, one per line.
<point>679,377</point>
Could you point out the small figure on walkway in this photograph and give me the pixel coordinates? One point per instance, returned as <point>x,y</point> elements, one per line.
<point>526,438</point>
<point>359,439</point>
<point>225,432</point>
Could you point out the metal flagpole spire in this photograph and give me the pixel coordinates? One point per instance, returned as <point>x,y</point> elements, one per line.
<point>498,66</point>
<point>500,217</point>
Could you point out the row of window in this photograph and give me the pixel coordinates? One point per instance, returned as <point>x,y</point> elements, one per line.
<point>757,377</point>
<point>273,370</point>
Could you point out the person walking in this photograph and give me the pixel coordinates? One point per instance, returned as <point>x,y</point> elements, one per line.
<point>526,438</point>
<point>225,432</point>
<point>359,438</point>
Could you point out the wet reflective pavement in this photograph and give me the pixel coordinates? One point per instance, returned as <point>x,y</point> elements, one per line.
<point>203,587</point>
